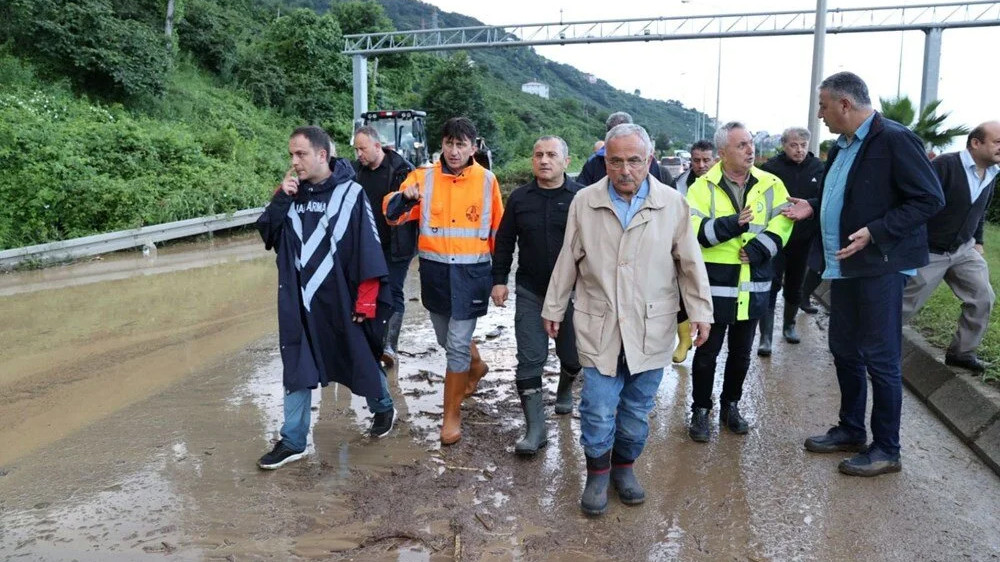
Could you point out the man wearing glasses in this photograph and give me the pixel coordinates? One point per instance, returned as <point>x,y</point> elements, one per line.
<point>631,264</point>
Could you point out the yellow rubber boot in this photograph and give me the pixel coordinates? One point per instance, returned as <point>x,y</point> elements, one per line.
<point>683,342</point>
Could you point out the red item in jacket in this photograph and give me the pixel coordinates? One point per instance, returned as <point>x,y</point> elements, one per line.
<point>367,293</point>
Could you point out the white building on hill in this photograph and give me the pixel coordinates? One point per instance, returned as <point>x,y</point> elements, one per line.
<point>536,88</point>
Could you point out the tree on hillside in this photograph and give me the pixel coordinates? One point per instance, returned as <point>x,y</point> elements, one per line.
<point>108,52</point>
<point>453,90</point>
<point>295,65</point>
<point>928,125</point>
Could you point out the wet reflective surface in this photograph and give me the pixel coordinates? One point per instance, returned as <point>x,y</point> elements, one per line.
<point>133,409</point>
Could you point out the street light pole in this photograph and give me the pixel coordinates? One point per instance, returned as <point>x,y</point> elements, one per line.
<point>819,41</point>
<point>718,79</point>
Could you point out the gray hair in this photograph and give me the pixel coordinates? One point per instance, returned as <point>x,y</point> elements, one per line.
<point>617,118</point>
<point>799,132</point>
<point>562,144</point>
<point>370,132</point>
<point>847,85</point>
<point>722,133</point>
<point>626,129</point>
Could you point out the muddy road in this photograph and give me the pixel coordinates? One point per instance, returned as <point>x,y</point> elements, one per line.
<point>136,396</point>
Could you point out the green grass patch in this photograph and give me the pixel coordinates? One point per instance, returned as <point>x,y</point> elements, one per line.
<point>938,318</point>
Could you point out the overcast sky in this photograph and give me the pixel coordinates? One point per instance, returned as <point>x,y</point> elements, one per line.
<point>765,80</point>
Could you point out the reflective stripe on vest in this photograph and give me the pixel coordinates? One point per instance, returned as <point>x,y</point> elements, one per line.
<point>484,232</point>
<point>747,286</point>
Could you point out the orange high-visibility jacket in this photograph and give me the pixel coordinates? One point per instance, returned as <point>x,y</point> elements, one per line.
<point>459,214</point>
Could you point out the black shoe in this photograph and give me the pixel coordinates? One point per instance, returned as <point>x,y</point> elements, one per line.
<point>834,441</point>
<point>807,306</point>
<point>870,463</point>
<point>970,362</point>
<point>729,416</point>
<point>279,457</point>
<point>698,430</point>
<point>382,424</point>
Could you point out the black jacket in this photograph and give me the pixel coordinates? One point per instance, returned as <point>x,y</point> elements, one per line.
<point>534,218</point>
<point>399,243</point>
<point>891,189</point>
<point>594,169</point>
<point>803,180</point>
<point>961,219</point>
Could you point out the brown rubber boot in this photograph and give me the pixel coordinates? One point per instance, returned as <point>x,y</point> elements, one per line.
<point>477,369</point>
<point>454,392</point>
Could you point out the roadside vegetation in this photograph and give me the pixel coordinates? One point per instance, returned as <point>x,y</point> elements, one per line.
<point>107,122</point>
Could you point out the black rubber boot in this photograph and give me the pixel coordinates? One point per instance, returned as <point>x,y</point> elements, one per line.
<point>595,494</point>
<point>564,392</point>
<point>391,352</point>
<point>729,416</point>
<point>788,327</point>
<point>699,430</point>
<point>766,332</point>
<point>535,436</point>
<point>626,484</point>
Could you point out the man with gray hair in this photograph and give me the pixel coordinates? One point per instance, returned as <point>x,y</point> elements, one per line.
<point>736,214</point>
<point>631,256</point>
<point>534,220</point>
<point>594,168</point>
<point>802,174</point>
<point>878,192</point>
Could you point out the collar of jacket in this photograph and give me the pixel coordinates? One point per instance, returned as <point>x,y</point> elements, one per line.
<point>533,184</point>
<point>652,201</point>
<point>714,176</point>
<point>447,171</point>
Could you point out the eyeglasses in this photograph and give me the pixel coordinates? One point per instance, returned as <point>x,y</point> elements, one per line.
<point>634,163</point>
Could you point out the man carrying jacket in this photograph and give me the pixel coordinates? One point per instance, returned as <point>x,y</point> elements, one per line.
<point>736,214</point>
<point>631,255</point>
<point>458,208</point>
<point>878,192</point>
<point>955,241</point>
<point>535,221</point>
<point>332,297</point>
<point>802,174</point>
<point>381,171</point>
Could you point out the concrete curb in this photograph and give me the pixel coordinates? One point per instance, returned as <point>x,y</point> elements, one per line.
<point>967,405</point>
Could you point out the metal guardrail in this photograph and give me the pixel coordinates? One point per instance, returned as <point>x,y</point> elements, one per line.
<point>125,239</point>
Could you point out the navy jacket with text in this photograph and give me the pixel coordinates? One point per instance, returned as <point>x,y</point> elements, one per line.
<point>327,244</point>
<point>891,189</point>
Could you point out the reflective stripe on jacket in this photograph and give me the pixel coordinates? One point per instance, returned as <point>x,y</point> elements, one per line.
<point>458,217</point>
<point>739,290</point>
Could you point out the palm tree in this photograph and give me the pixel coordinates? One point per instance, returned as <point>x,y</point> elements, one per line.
<point>928,125</point>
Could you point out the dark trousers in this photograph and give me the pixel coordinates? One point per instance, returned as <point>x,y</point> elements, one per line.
<point>790,272</point>
<point>741,335</point>
<point>397,278</point>
<point>866,339</point>
<point>796,252</point>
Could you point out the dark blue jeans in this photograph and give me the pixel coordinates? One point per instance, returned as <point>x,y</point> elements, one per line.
<point>397,278</point>
<point>866,339</point>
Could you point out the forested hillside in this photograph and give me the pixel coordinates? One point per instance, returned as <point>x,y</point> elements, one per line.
<point>107,121</point>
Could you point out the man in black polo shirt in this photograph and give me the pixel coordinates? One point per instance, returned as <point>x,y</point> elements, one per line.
<point>955,241</point>
<point>535,220</point>
<point>380,171</point>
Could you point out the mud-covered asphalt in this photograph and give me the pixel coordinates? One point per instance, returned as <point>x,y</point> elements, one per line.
<point>137,394</point>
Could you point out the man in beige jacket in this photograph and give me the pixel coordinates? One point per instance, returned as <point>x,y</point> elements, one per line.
<point>631,255</point>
